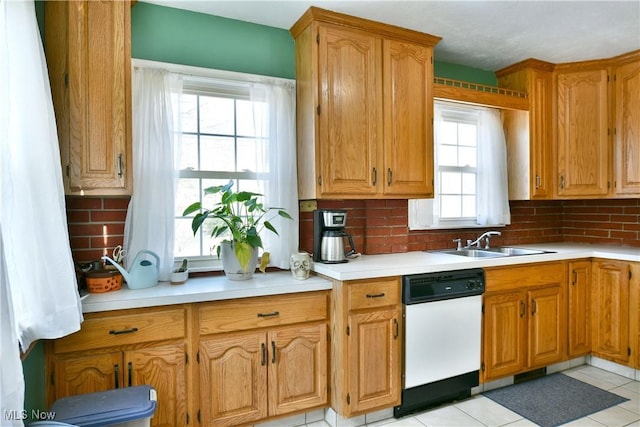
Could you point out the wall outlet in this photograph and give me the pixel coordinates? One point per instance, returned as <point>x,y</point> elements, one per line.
<point>308,205</point>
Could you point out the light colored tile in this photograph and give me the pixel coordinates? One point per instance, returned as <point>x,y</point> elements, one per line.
<point>615,417</point>
<point>487,411</point>
<point>313,416</point>
<point>321,423</point>
<point>579,375</point>
<point>610,377</point>
<point>402,422</point>
<point>633,386</point>
<point>293,421</point>
<point>613,367</point>
<point>583,422</point>
<point>373,417</point>
<point>633,404</point>
<point>448,416</point>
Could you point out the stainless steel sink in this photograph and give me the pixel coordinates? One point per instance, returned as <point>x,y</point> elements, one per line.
<point>474,253</point>
<point>505,251</point>
<point>508,251</point>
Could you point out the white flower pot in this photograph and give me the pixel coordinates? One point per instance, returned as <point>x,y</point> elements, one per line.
<point>232,268</point>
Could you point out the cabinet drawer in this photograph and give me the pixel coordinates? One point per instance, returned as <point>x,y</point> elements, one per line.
<point>518,277</point>
<point>113,330</point>
<point>373,293</point>
<point>260,312</point>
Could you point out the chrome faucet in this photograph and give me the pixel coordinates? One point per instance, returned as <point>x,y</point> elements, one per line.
<point>484,236</point>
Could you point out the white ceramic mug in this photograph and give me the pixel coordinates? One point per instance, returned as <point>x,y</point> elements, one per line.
<point>300,264</point>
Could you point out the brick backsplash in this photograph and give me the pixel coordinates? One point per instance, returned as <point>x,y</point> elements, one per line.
<point>380,226</point>
<point>96,225</point>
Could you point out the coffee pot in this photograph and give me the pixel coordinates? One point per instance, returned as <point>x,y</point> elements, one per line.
<point>329,237</point>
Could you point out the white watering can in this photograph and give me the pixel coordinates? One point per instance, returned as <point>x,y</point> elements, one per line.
<point>142,273</point>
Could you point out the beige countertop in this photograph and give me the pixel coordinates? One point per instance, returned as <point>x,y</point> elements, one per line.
<point>215,288</point>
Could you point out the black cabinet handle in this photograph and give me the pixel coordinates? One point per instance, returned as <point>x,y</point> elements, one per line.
<point>523,309</point>
<point>380,295</point>
<point>129,373</point>
<point>123,331</point>
<point>264,354</point>
<point>275,313</point>
<point>396,328</point>
<point>273,352</point>
<point>116,370</point>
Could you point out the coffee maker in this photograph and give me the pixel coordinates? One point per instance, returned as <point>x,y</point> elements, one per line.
<point>329,235</point>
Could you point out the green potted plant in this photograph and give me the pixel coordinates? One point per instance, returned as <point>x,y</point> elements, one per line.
<point>240,217</point>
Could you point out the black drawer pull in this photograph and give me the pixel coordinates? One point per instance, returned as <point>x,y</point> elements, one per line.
<point>275,313</point>
<point>380,295</point>
<point>123,331</point>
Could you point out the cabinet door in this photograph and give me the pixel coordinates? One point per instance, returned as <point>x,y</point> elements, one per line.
<point>627,129</point>
<point>87,374</point>
<point>408,119</point>
<point>610,310</point>
<point>297,368</point>
<point>546,326</point>
<point>88,46</point>
<point>350,130</point>
<point>233,379</point>
<point>163,368</point>
<point>504,335</point>
<point>541,162</point>
<point>374,360</point>
<point>579,308</point>
<point>582,119</point>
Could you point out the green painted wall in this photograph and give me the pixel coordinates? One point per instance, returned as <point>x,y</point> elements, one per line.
<point>182,37</point>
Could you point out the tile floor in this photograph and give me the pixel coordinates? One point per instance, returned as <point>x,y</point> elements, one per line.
<point>481,411</point>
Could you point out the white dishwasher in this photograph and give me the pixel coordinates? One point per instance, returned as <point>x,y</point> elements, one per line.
<point>443,320</point>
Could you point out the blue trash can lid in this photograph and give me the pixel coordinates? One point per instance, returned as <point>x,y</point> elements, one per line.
<point>106,407</point>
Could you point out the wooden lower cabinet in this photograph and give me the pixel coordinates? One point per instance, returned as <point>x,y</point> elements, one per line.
<point>634,314</point>
<point>367,345</point>
<point>579,297</point>
<point>245,378</point>
<point>610,310</point>
<point>154,361</point>
<point>525,325</point>
<point>262,357</point>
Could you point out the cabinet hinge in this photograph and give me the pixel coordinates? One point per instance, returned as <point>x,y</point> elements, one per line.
<point>66,79</point>
<point>186,358</point>
<point>482,308</point>
<point>187,417</point>
<point>348,399</point>
<point>318,110</point>
<point>482,367</point>
<point>348,330</point>
<point>629,351</point>
<point>199,420</point>
<point>320,180</point>
<point>318,38</point>
<point>68,170</point>
<point>629,274</point>
<point>608,79</point>
<point>198,357</point>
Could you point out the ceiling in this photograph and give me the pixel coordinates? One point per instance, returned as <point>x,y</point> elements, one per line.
<point>482,34</point>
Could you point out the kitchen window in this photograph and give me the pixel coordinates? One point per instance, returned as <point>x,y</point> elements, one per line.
<point>470,171</point>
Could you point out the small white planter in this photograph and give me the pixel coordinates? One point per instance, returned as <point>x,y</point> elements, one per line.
<point>232,267</point>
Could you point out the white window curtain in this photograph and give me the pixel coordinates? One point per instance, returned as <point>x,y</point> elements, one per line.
<point>493,196</point>
<point>150,222</point>
<point>38,290</point>
<point>492,201</point>
<point>281,187</point>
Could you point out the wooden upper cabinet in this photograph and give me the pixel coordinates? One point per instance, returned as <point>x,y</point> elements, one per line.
<point>627,128</point>
<point>364,108</point>
<point>582,132</point>
<point>408,127</point>
<point>350,122</point>
<point>529,135</point>
<point>88,48</point>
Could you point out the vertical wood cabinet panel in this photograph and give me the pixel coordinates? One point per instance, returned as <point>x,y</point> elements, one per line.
<point>627,129</point>
<point>408,111</point>
<point>350,115</point>
<point>88,49</point>
<point>579,291</point>
<point>610,310</point>
<point>582,132</point>
<point>547,326</point>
